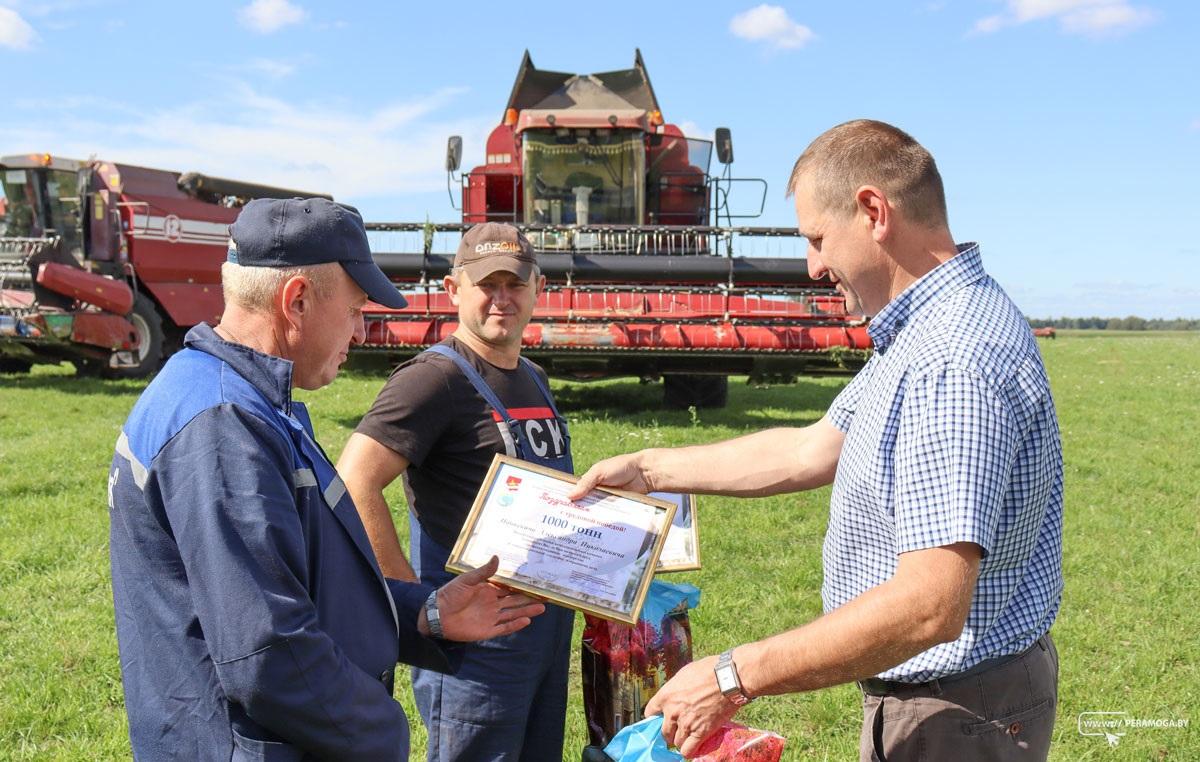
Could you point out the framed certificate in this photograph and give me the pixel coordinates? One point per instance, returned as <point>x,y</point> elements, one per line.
<point>597,554</point>
<point>681,551</point>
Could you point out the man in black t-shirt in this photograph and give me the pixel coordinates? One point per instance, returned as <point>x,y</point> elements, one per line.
<point>429,407</point>
<point>439,421</point>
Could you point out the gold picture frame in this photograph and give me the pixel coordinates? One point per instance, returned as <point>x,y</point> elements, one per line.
<point>597,555</point>
<point>681,551</point>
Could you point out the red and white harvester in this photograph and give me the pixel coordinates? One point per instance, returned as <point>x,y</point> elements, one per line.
<point>106,264</point>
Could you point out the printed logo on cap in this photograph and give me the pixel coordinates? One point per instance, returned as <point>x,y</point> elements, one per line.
<point>492,247</point>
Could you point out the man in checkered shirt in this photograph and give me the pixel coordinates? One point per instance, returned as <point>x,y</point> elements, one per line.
<point>943,553</point>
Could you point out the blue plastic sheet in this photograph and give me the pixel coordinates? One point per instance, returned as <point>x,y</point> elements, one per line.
<point>642,742</point>
<point>663,597</point>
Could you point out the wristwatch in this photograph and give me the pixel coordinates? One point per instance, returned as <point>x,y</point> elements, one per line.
<point>432,617</point>
<point>728,682</point>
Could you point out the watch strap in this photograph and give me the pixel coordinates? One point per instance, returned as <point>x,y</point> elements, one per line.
<point>432,617</point>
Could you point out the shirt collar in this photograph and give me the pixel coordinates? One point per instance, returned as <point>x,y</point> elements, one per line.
<point>269,374</point>
<point>958,271</point>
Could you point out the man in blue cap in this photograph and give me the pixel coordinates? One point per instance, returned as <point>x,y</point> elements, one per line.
<point>252,617</point>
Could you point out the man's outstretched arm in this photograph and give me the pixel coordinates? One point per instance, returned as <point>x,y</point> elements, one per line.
<point>925,603</point>
<point>767,462</point>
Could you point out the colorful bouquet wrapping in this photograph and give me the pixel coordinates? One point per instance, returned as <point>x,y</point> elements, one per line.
<point>624,666</point>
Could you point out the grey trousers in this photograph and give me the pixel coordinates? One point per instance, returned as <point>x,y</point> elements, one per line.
<point>1003,713</point>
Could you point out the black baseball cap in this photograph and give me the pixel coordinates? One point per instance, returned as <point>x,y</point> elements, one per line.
<point>297,232</point>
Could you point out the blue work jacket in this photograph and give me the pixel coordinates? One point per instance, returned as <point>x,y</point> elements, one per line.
<point>252,618</point>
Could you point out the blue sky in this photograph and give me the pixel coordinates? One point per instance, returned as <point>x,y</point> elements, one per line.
<point>1067,131</point>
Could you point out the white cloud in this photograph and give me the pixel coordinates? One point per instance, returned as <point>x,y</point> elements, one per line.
<point>692,130</point>
<point>1107,17</point>
<point>320,147</point>
<point>989,24</point>
<point>772,25</point>
<point>15,32</point>
<point>266,16</point>
<point>271,68</point>
<point>1087,17</point>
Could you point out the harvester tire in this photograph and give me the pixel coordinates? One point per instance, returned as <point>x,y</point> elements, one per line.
<point>682,391</point>
<point>148,322</point>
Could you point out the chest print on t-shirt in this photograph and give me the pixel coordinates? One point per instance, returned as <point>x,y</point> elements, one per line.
<point>540,430</point>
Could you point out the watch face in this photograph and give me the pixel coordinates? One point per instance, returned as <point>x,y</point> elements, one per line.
<point>725,680</point>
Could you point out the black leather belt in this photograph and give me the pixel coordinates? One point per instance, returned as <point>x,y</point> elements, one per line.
<point>873,686</point>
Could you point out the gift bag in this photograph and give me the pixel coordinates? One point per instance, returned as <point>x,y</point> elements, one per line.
<point>643,742</point>
<point>624,666</point>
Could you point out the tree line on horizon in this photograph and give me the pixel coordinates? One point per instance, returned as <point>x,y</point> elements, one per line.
<point>1130,323</point>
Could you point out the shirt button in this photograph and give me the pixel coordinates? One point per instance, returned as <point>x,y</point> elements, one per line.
<point>1014,729</point>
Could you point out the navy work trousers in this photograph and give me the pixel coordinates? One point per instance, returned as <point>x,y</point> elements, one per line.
<point>508,701</point>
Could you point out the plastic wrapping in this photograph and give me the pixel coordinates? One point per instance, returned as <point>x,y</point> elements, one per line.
<point>623,666</point>
<point>738,743</point>
<point>643,742</point>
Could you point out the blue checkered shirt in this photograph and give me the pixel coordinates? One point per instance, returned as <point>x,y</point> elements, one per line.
<point>951,436</point>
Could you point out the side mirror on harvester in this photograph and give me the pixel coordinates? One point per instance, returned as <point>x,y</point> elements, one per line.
<point>724,141</point>
<point>453,153</point>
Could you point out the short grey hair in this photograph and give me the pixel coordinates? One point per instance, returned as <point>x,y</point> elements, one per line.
<point>254,288</point>
<point>868,152</point>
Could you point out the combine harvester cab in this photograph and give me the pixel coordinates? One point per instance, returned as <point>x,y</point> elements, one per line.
<point>643,278</point>
<point>107,265</point>
<point>59,236</point>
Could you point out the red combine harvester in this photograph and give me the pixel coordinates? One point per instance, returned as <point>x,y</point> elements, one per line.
<point>643,278</point>
<point>107,264</point>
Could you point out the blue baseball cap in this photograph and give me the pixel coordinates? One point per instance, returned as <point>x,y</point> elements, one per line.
<point>297,232</point>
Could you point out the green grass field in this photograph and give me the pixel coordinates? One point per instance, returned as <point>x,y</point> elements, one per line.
<point>1129,407</point>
